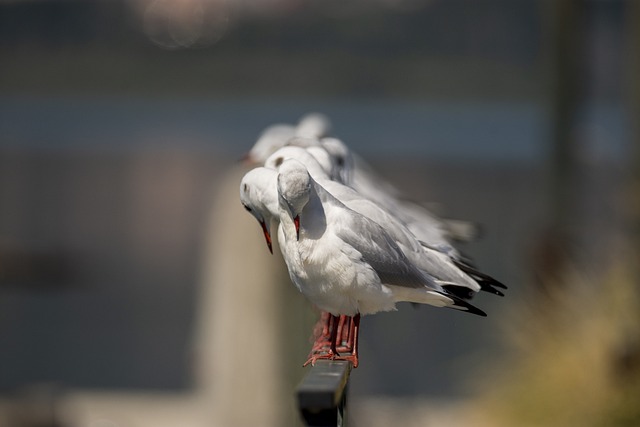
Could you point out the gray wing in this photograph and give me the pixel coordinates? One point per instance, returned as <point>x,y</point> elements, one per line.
<point>380,251</point>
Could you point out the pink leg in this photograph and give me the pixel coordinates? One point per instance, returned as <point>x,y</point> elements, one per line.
<point>322,332</point>
<point>343,330</point>
<point>325,318</point>
<point>351,334</point>
<point>344,340</point>
<point>320,350</point>
<point>337,326</point>
<point>356,333</point>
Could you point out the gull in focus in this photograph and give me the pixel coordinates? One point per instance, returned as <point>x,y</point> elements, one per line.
<point>345,263</point>
<point>259,197</point>
<point>442,261</point>
<point>348,252</point>
<point>258,194</point>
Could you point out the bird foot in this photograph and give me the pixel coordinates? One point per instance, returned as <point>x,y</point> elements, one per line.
<point>342,338</point>
<point>322,335</point>
<point>324,354</point>
<point>322,345</point>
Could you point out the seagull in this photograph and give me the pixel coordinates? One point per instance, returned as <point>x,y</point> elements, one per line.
<point>352,170</point>
<point>330,163</point>
<point>311,125</point>
<point>358,174</point>
<point>258,195</point>
<point>321,167</point>
<point>345,263</point>
<point>258,187</point>
<point>341,165</point>
<point>447,263</point>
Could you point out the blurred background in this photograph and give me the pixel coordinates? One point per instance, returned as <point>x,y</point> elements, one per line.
<point>135,291</point>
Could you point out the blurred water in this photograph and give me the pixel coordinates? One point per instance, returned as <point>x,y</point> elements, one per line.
<point>443,129</point>
<point>452,130</point>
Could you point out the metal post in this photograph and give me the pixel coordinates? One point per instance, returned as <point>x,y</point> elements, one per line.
<point>322,394</point>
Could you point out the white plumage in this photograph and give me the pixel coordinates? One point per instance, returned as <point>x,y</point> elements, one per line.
<point>351,247</point>
<point>344,262</point>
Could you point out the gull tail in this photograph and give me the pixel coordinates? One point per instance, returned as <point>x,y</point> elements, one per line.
<point>486,282</point>
<point>459,291</point>
<point>462,305</point>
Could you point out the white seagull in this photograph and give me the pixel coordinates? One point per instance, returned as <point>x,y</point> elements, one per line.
<point>311,125</point>
<point>340,165</point>
<point>358,174</point>
<point>258,194</point>
<point>344,262</point>
<point>320,166</point>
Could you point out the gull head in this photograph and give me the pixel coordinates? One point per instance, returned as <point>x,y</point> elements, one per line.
<point>303,141</point>
<point>294,189</point>
<point>330,153</point>
<point>304,149</point>
<point>313,125</point>
<point>270,140</point>
<point>258,195</point>
<point>316,169</point>
<point>341,157</point>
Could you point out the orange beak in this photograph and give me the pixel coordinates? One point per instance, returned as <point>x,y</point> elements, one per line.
<point>296,222</point>
<point>267,236</point>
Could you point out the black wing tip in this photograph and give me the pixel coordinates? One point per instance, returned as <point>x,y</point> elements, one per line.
<point>474,310</point>
<point>461,292</point>
<point>485,281</point>
<point>467,294</point>
<point>462,305</point>
<point>498,284</point>
<point>487,287</point>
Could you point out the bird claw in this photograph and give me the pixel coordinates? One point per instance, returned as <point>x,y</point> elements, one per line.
<point>323,345</point>
<point>314,357</point>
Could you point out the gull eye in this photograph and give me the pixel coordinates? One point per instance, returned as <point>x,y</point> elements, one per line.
<point>246,208</point>
<point>340,161</point>
<point>279,161</point>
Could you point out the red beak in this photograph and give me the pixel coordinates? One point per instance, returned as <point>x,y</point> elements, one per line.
<point>267,236</point>
<point>296,222</point>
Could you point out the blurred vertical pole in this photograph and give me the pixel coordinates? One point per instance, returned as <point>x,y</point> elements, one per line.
<point>633,28</point>
<point>627,359</point>
<point>566,70</point>
<point>253,324</point>
<point>238,370</point>
<point>567,87</point>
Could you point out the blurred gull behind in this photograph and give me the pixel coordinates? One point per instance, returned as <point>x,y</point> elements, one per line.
<point>312,125</point>
<point>344,166</point>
